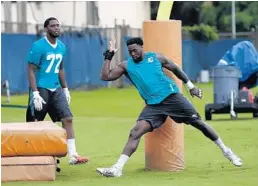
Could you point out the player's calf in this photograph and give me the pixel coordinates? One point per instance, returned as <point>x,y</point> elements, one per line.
<point>68,126</point>
<point>74,157</point>
<point>206,129</point>
<point>209,132</point>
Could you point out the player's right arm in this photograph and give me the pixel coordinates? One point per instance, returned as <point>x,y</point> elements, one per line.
<point>108,74</point>
<point>31,76</point>
<point>33,59</point>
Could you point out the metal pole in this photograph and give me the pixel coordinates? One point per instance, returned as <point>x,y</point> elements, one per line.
<point>22,16</point>
<point>233,8</point>
<point>91,13</point>
<point>74,12</point>
<point>8,16</point>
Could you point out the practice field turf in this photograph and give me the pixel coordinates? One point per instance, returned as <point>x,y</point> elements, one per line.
<point>102,120</point>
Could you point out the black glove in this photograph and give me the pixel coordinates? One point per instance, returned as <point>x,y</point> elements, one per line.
<point>109,55</point>
<point>196,92</point>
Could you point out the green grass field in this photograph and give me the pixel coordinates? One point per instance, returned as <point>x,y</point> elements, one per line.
<point>102,120</point>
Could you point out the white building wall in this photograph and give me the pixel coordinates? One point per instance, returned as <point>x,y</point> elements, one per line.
<point>74,12</point>
<point>133,12</point>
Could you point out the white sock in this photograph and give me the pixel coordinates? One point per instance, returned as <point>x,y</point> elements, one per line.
<point>71,147</point>
<point>122,161</point>
<point>221,145</point>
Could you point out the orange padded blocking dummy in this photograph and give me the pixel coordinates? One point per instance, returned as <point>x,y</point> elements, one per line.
<point>43,138</point>
<point>32,168</point>
<point>164,147</point>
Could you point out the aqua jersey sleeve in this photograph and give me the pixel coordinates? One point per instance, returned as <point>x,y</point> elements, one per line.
<point>34,55</point>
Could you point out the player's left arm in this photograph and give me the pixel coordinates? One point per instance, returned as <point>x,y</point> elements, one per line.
<point>173,67</point>
<point>63,82</point>
<point>62,76</point>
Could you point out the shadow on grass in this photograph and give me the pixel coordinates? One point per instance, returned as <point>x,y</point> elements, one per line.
<point>238,119</point>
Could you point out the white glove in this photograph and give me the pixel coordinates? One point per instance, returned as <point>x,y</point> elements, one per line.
<point>38,101</point>
<point>67,95</point>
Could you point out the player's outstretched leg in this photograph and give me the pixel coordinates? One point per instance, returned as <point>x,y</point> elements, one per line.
<point>74,157</point>
<point>136,133</point>
<point>210,133</point>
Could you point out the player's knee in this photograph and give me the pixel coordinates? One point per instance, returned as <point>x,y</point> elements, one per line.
<point>68,120</point>
<point>201,125</point>
<point>141,128</point>
<point>134,133</point>
<point>198,123</point>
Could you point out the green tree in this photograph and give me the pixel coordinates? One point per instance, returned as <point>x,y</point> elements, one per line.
<point>202,32</point>
<point>213,13</point>
<point>246,15</point>
<point>208,14</point>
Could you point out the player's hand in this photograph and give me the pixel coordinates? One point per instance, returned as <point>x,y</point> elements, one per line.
<point>38,101</point>
<point>196,92</point>
<point>67,95</point>
<point>111,46</point>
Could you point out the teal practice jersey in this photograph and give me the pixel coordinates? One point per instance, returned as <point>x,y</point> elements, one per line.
<point>150,80</point>
<point>48,58</point>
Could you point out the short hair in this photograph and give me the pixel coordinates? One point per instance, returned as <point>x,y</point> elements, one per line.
<point>46,23</point>
<point>135,40</point>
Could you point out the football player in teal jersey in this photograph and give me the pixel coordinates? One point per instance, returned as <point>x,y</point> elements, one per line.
<point>162,98</point>
<point>48,92</point>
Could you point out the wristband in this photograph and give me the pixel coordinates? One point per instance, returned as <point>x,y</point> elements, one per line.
<point>190,85</point>
<point>109,55</point>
